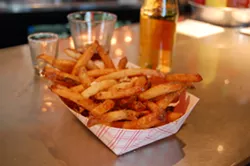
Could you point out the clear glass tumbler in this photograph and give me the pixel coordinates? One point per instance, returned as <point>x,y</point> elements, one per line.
<point>86,27</point>
<point>42,43</point>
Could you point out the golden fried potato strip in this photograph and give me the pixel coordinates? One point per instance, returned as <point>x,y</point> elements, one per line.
<point>140,81</point>
<point>75,97</point>
<point>124,85</point>
<point>160,90</point>
<point>145,122</point>
<point>122,63</point>
<point>120,86</point>
<point>61,64</point>
<point>168,98</point>
<point>112,94</point>
<point>129,73</point>
<point>153,119</point>
<point>108,63</point>
<point>100,72</point>
<point>172,116</point>
<point>97,87</point>
<point>113,116</point>
<point>184,77</point>
<point>84,77</point>
<point>60,77</point>
<point>72,53</point>
<point>154,107</point>
<point>77,88</point>
<point>125,102</point>
<point>84,58</point>
<point>137,106</point>
<point>91,65</point>
<point>140,86</point>
<point>103,108</point>
<point>76,55</point>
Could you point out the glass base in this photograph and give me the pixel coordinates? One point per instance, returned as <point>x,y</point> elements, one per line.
<point>38,72</point>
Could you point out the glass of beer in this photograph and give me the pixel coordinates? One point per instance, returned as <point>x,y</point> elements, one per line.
<point>158,20</point>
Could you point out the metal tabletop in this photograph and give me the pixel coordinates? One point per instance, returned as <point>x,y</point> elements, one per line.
<point>36,128</point>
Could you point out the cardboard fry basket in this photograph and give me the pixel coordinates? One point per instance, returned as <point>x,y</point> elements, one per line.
<point>121,141</point>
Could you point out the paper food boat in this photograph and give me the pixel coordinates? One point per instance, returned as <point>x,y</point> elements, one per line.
<point>121,141</point>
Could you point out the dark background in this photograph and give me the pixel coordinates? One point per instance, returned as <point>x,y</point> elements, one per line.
<point>19,18</point>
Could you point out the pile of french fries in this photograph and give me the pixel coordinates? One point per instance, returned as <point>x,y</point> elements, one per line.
<point>118,97</point>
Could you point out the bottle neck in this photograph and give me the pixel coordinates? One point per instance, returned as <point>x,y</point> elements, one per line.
<point>160,8</point>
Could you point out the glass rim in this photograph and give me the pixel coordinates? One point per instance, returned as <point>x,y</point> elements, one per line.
<point>54,37</point>
<point>114,16</point>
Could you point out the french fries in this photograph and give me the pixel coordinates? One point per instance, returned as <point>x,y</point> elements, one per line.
<point>100,72</point>
<point>184,77</point>
<point>118,97</point>
<point>103,108</point>
<point>76,55</point>
<point>122,63</point>
<point>78,88</point>
<point>114,116</point>
<point>120,86</point>
<point>60,77</point>
<point>61,64</point>
<point>84,77</point>
<point>84,58</point>
<point>75,97</point>
<point>160,90</point>
<point>130,73</point>
<point>72,53</point>
<point>140,81</point>
<point>91,65</point>
<point>97,87</point>
<point>138,106</point>
<point>118,94</point>
<point>167,99</point>
<point>108,63</point>
<point>154,107</point>
<point>145,122</point>
<point>172,116</point>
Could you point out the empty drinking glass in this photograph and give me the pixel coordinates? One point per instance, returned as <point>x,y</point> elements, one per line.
<point>42,43</point>
<point>86,27</point>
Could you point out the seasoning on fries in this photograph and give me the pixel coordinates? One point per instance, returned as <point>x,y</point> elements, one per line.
<point>117,97</point>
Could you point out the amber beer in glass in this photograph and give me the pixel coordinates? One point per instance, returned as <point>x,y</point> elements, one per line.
<point>158,20</point>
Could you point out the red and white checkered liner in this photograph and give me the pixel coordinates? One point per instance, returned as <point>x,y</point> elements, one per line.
<point>121,141</point>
